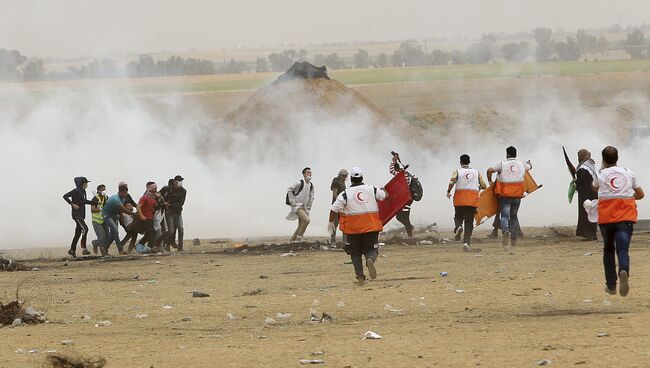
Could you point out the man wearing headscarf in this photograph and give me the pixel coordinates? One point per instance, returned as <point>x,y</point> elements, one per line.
<point>585,175</point>
<point>338,186</point>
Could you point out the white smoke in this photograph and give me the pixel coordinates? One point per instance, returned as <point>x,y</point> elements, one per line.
<point>236,182</point>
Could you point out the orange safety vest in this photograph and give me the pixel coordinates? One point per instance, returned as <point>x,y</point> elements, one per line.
<point>616,196</point>
<point>467,188</point>
<point>361,213</point>
<point>510,183</point>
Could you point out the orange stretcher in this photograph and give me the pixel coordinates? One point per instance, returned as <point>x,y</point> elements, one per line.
<point>488,204</point>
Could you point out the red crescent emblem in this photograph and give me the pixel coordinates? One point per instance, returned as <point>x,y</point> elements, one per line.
<point>611,183</point>
<point>468,176</point>
<point>359,197</point>
<point>513,168</point>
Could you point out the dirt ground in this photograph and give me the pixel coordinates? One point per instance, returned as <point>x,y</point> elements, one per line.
<point>492,310</point>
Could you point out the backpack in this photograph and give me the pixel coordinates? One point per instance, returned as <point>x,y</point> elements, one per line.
<point>302,185</point>
<point>416,189</point>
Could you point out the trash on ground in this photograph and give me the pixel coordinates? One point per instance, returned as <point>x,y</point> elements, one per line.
<point>369,335</point>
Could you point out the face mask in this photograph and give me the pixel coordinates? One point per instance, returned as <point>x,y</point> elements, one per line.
<point>308,177</point>
<point>179,184</point>
<point>102,193</point>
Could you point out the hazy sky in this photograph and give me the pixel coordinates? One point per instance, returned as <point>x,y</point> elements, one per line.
<point>76,27</point>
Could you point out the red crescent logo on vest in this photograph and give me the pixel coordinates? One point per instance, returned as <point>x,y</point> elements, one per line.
<point>359,198</point>
<point>469,176</point>
<point>617,182</point>
<point>514,168</point>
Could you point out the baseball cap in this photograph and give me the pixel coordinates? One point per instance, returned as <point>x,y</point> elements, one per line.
<point>178,178</point>
<point>356,172</point>
<point>343,172</point>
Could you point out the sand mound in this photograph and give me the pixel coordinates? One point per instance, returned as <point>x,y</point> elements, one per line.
<point>305,92</point>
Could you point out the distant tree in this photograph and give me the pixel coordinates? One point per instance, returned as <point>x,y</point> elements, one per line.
<point>361,59</point>
<point>567,51</point>
<point>333,61</point>
<point>143,67</point>
<point>409,53</point>
<point>479,53</point>
<point>10,60</point>
<point>261,66</point>
<point>603,44</point>
<point>382,60</point>
<point>439,57</point>
<point>635,44</point>
<point>235,67</point>
<point>545,45</point>
<point>458,57</point>
<point>283,61</point>
<point>586,42</point>
<point>301,55</point>
<point>515,52</point>
<point>33,69</point>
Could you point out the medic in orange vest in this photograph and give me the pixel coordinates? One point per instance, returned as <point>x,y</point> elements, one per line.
<point>359,221</point>
<point>510,188</point>
<point>468,183</point>
<point>618,192</point>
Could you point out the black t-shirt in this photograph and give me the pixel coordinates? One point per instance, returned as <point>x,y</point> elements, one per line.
<point>338,185</point>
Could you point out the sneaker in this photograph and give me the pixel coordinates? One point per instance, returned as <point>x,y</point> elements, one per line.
<point>513,242</point>
<point>610,291</point>
<point>361,280</point>
<point>174,245</point>
<point>85,252</point>
<point>494,234</point>
<point>103,251</point>
<point>459,232</point>
<point>72,253</point>
<point>509,250</point>
<point>409,231</point>
<point>505,239</point>
<point>624,287</point>
<point>466,247</point>
<point>371,268</point>
<point>95,246</point>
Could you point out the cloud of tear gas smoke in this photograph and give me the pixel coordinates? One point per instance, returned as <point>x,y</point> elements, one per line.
<point>237,181</point>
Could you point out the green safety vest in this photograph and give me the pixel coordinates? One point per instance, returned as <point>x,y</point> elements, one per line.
<point>98,217</point>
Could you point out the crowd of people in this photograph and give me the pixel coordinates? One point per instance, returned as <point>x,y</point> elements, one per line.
<point>609,193</point>
<point>157,216</point>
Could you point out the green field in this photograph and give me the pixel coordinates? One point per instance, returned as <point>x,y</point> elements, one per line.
<point>412,74</point>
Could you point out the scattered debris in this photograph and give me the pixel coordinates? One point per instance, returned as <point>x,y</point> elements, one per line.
<point>263,277</point>
<point>167,307</point>
<point>340,304</point>
<point>231,317</point>
<point>57,360</point>
<point>67,342</point>
<point>135,277</point>
<point>17,322</point>
<point>369,335</point>
<point>85,317</point>
<point>311,361</point>
<point>8,264</point>
<point>152,282</point>
<point>324,317</point>
<point>186,319</point>
<point>103,324</point>
<point>196,241</point>
<point>588,254</point>
<point>444,273</point>
<point>16,310</point>
<point>283,316</point>
<point>603,334</point>
<point>140,316</point>
<point>543,362</point>
<point>425,242</point>
<point>199,294</point>
<point>317,353</point>
<point>256,291</point>
<point>460,291</point>
<point>290,254</point>
<point>269,321</point>
<point>587,300</point>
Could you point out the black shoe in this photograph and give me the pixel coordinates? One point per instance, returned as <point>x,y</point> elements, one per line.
<point>459,233</point>
<point>623,287</point>
<point>72,253</point>
<point>361,280</point>
<point>371,268</point>
<point>95,246</point>
<point>610,291</point>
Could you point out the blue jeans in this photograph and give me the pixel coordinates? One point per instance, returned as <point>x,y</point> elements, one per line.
<point>114,233</point>
<point>617,237</point>
<point>509,219</point>
<point>102,231</point>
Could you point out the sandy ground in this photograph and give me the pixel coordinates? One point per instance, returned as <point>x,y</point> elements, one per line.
<point>544,302</point>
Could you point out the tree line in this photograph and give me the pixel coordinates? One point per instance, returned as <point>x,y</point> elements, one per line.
<point>546,47</point>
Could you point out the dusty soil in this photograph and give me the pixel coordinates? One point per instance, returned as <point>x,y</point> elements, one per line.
<point>545,302</point>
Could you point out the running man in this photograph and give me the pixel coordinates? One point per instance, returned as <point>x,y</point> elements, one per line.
<point>468,183</point>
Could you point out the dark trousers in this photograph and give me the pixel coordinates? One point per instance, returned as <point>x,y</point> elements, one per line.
<point>81,230</point>
<point>174,222</point>
<point>362,244</point>
<point>585,228</point>
<point>150,235</point>
<point>404,216</point>
<point>509,219</point>
<point>465,214</point>
<point>617,237</point>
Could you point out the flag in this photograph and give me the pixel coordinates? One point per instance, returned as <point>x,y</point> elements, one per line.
<point>569,164</point>
<point>399,195</point>
<point>488,203</point>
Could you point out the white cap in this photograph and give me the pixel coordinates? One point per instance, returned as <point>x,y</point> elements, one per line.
<point>356,172</point>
